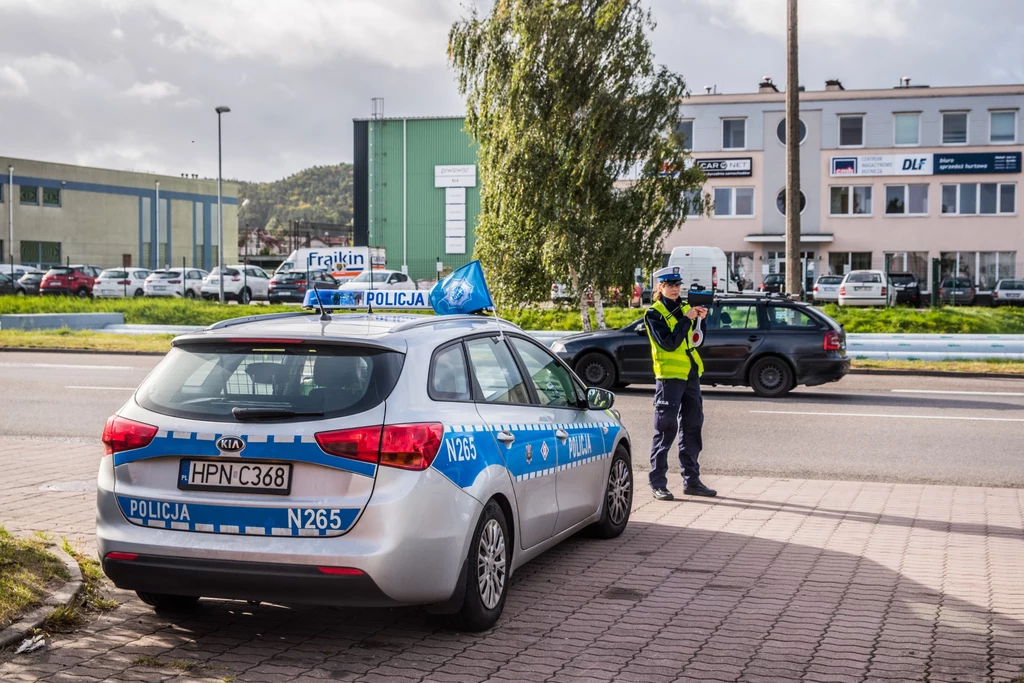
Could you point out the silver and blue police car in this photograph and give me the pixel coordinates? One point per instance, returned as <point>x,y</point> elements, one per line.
<point>357,459</point>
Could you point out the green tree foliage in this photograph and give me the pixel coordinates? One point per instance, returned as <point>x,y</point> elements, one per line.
<point>564,99</point>
<point>322,194</point>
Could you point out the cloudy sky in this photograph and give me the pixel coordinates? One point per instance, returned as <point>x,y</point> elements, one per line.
<point>132,84</point>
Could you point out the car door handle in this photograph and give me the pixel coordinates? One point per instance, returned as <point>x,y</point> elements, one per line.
<point>753,337</point>
<point>561,434</point>
<point>506,437</point>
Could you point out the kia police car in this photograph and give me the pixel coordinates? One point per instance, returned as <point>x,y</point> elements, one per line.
<point>357,459</point>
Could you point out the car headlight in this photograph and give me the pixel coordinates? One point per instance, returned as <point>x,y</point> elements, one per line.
<point>558,347</point>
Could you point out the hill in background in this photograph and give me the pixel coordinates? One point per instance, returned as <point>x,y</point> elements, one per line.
<point>321,194</point>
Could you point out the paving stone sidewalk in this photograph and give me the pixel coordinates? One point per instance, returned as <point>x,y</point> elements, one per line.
<point>776,580</point>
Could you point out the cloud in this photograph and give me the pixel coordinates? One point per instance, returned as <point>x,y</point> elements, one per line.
<point>818,18</point>
<point>153,91</point>
<point>12,83</point>
<point>46,64</point>
<point>117,34</point>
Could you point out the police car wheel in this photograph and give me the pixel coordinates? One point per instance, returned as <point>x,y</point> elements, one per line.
<point>618,497</point>
<point>597,370</point>
<point>770,377</point>
<point>487,578</point>
<point>170,603</point>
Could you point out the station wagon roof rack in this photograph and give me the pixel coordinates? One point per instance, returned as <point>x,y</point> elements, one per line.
<point>434,319</point>
<point>255,318</point>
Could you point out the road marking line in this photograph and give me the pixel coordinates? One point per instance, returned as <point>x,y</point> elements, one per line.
<point>103,388</point>
<point>909,417</point>
<point>68,367</point>
<point>961,393</point>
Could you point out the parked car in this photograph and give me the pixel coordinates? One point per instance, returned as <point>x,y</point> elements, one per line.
<point>908,288</point>
<point>1008,293</point>
<point>18,269</point>
<point>169,282</point>
<point>242,283</point>
<point>6,284</point>
<point>826,289</point>
<point>73,279</point>
<point>419,461</point>
<point>866,288</point>
<point>30,282</point>
<point>774,283</point>
<point>118,283</point>
<point>768,344</point>
<point>292,286</point>
<point>957,291</point>
<point>382,279</point>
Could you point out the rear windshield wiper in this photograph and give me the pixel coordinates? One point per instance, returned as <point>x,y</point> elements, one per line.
<point>243,414</point>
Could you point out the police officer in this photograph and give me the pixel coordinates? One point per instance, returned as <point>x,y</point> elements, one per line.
<point>677,399</point>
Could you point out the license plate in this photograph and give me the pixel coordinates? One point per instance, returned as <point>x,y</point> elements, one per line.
<point>1012,296</point>
<point>861,289</point>
<point>244,476</point>
<point>158,288</point>
<point>53,284</point>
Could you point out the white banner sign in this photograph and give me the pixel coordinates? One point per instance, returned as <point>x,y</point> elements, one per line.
<point>455,212</point>
<point>455,228</point>
<point>455,245</point>
<point>455,195</point>
<point>882,164</point>
<point>455,176</point>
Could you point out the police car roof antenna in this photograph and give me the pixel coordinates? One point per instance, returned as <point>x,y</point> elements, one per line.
<point>324,317</point>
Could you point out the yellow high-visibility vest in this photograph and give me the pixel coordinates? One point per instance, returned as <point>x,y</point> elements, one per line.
<point>673,364</point>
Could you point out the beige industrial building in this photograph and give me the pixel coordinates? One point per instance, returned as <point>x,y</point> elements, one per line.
<point>111,218</point>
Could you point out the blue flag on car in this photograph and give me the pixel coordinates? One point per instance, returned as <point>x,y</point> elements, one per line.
<point>464,291</point>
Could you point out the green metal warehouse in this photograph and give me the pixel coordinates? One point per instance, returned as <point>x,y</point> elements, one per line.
<point>416,192</point>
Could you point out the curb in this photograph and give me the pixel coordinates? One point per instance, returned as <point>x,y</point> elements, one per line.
<point>20,629</point>
<point>98,352</point>
<point>936,373</point>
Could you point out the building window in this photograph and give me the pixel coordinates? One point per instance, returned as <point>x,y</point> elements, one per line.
<point>851,131</point>
<point>40,254</point>
<point>51,196</point>
<point>780,201</point>
<point>685,131</point>
<point>1002,127</point>
<point>741,268</point>
<point>954,128</point>
<point>30,195</point>
<point>907,129</point>
<point>694,204</point>
<point>959,264</point>
<point>994,266</point>
<point>734,133</point>
<point>734,201</point>
<point>968,199</point>
<point>910,200</point>
<point>780,131</point>
<point>851,201</point>
<point>915,262</point>
<point>842,262</point>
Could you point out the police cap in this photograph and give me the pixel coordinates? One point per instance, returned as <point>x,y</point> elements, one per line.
<point>670,275</point>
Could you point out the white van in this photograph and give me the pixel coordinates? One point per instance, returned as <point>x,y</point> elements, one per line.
<point>342,262</point>
<point>706,267</point>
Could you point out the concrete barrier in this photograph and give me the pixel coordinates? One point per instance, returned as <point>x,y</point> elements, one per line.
<point>55,321</point>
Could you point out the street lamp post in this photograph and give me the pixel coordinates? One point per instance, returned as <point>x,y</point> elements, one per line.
<point>10,216</point>
<point>220,208</point>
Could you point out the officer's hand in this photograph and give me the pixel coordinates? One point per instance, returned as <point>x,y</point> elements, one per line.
<point>693,313</point>
<point>702,312</point>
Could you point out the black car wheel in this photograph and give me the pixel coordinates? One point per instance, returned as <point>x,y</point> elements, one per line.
<point>596,370</point>
<point>770,377</point>
<point>139,292</point>
<point>82,293</point>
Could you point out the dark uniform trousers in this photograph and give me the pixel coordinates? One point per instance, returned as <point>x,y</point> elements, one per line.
<point>678,404</point>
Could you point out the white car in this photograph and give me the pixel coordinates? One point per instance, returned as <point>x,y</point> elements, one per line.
<point>168,282</point>
<point>19,269</point>
<point>241,283</point>
<point>382,279</point>
<point>866,288</point>
<point>1008,293</point>
<point>826,289</point>
<point>118,283</point>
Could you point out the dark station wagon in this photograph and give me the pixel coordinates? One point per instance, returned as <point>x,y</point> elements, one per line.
<point>768,344</point>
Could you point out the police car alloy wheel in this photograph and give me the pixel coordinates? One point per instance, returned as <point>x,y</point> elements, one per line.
<point>487,579</point>
<point>618,497</point>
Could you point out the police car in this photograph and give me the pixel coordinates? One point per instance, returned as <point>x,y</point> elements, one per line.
<point>355,459</point>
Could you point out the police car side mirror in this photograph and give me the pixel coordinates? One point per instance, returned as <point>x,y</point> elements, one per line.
<point>599,399</point>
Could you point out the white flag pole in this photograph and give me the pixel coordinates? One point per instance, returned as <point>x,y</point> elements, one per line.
<point>501,334</point>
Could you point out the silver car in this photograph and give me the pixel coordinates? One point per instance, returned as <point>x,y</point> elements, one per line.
<point>364,460</point>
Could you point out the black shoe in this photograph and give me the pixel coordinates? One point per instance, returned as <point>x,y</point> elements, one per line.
<point>663,494</point>
<point>697,488</point>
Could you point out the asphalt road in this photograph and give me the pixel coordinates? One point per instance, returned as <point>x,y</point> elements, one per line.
<point>865,427</point>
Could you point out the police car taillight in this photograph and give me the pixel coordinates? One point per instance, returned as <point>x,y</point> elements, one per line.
<point>412,446</point>
<point>362,443</point>
<point>122,434</point>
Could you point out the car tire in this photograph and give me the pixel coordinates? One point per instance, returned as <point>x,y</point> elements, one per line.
<point>82,293</point>
<point>167,602</point>
<point>20,292</point>
<point>618,497</point>
<point>245,297</point>
<point>487,580</point>
<point>189,294</point>
<point>138,293</point>
<point>771,377</point>
<point>596,370</point>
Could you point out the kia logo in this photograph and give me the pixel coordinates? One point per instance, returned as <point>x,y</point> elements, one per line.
<point>230,444</point>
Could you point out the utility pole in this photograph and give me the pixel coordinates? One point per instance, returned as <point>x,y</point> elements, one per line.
<point>794,269</point>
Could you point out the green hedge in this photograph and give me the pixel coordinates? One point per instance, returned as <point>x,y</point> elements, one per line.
<point>947,320</point>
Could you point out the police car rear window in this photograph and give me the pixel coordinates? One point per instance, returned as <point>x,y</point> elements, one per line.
<point>205,381</point>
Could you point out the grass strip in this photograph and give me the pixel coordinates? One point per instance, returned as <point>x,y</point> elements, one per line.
<point>27,570</point>
<point>88,340</point>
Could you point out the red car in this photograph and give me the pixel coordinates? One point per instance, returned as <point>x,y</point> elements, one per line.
<point>77,280</point>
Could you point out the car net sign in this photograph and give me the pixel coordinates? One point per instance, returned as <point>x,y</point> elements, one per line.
<point>739,167</point>
<point>882,165</point>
